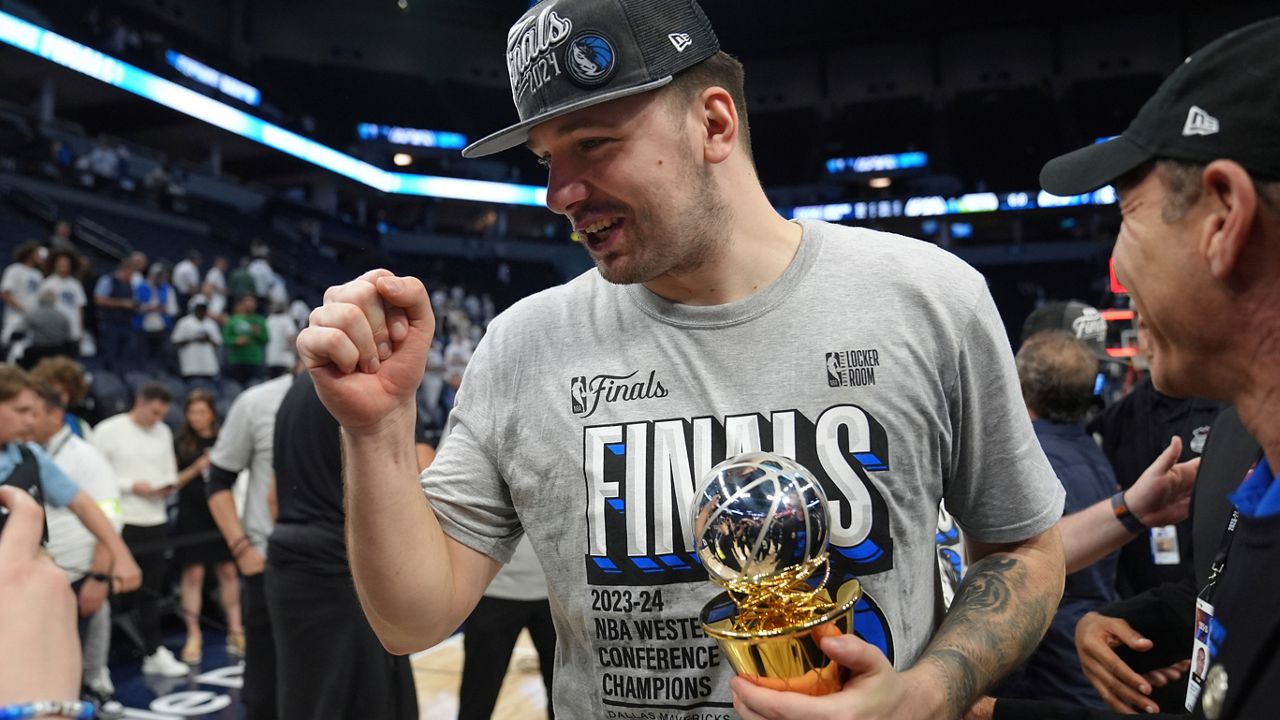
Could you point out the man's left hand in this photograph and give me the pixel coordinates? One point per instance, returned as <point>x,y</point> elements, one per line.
<point>874,690</point>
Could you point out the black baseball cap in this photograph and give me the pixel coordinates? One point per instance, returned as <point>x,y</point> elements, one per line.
<point>1222,103</point>
<point>565,55</point>
<point>1083,321</point>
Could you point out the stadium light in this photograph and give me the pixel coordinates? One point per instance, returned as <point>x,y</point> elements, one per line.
<point>70,54</point>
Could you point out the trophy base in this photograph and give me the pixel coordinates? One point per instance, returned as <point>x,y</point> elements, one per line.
<point>787,658</point>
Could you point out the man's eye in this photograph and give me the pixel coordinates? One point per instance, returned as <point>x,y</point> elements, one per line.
<point>591,144</point>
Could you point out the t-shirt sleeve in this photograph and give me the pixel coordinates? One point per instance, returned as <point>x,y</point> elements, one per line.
<point>999,486</point>
<point>183,331</point>
<point>10,280</point>
<point>465,484</point>
<point>234,448</point>
<point>102,288</point>
<point>59,488</point>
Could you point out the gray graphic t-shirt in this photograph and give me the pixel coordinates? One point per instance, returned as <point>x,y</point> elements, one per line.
<point>590,412</point>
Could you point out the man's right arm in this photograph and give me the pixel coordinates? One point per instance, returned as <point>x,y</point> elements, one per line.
<point>222,506</point>
<point>1161,496</point>
<point>365,349</point>
<point>416,584</point>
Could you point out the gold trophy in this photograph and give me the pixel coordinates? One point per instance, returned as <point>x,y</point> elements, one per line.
<point>760,527</point>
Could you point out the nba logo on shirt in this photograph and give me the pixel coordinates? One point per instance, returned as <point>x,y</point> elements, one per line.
<point>578,394</point>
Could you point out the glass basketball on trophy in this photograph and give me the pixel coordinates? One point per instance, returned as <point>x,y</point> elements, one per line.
<point>760,527</point>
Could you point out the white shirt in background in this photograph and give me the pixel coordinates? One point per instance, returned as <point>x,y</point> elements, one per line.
<point>186,277</point>
<point>215,278</point>
<point>262,274</point>
<point>197,358</point>
<point>70,542</point>
<point>280,334</point>
<point>300,312</point>
<point>137,453</point>
<point>23,283</point>
<point>70,301</point>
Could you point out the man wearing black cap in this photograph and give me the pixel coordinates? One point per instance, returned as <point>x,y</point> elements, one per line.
<point>1198,176</point>
<point>711,326</point>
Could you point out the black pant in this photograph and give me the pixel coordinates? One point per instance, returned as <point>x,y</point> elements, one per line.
<point>146,599</point>
<point>245,374</point>
<point>35,353</point>
<point>487,641</point>
<point>259,692</point>
<point>331,663</point>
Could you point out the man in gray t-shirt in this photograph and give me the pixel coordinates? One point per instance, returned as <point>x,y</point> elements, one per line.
<point>245,443</point>
<point>710,326</point>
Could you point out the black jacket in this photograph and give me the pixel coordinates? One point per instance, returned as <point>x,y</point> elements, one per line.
<point>1247,598</point>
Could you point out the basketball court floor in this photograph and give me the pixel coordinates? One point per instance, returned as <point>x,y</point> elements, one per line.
<point>213,691</point>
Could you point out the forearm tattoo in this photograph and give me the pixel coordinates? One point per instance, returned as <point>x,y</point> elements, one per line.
<point>997,619</point>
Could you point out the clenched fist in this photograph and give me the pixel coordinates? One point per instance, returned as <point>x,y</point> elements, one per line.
<point>366,348</point>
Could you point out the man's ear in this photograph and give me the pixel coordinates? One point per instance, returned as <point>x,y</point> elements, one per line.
<point>1226,229</point>
<point>719,124</point>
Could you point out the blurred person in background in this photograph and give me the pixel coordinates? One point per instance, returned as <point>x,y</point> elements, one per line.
<point>139,447</point>
<point>19,285</point>
<point>516,600</point>
<point>330,660</point>
<point>69,294</point>
<point>117,340</point>
<point>87,561</point>
<point>240,281</point>
<point>67,377</point>
<point>198,433</point>
<point>246,442</point>
<point>215,288</point>
<point>245,337</point>
<point>198,339</point>
<point>300,311</point>
<point>186,277</point>
<point>282,332</point>
<point>61,238</point>
<point>1057,372</point>
<point>259,269</point>
<point>138,263</point>
<point>48,331</point>
<point>155,315</point>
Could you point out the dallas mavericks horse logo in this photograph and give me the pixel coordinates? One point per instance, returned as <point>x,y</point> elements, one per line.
<point>591,59</point>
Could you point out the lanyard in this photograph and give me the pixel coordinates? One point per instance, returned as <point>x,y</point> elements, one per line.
<point>1224,547</point>
<point>53,451</point>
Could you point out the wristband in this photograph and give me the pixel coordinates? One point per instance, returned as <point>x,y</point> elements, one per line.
<point>1126,517</point>
<point>46,708</point>
<point>239,544</point>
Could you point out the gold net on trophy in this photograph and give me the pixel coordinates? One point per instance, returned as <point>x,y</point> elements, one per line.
<point>760,527</point>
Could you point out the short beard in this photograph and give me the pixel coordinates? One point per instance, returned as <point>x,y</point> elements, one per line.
<point>665,250</point>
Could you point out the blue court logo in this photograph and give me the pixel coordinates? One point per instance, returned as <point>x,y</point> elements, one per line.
<point>591,59</point>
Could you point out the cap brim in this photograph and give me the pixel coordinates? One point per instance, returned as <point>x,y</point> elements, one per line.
<point>1092,166</point>
<point>517,134</point>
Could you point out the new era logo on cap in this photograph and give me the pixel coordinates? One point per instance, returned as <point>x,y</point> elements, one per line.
<point>1199,122</point>
<point>681,40</point>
